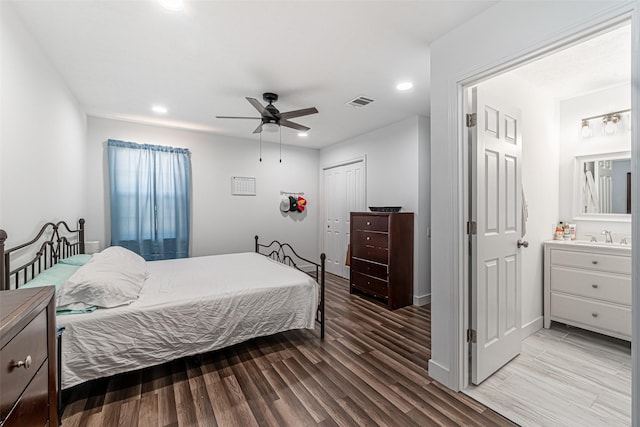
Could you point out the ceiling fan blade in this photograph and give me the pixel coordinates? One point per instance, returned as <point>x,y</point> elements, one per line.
<point>298,113</point>
<point>258,129</point>
<point>256,104</point>
<point>237,117</point>
<point>293,125</point>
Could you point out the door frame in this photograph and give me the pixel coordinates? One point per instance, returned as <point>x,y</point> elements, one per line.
<point>322,216</point>
<point>459,314</point>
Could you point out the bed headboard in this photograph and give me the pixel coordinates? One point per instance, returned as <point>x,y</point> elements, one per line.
<point>60,241</point>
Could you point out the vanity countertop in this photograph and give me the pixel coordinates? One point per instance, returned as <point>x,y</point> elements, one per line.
<point>587,245</point>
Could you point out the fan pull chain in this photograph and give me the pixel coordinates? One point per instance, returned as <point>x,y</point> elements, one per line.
<point>280,127</point>
<point>260,146</point>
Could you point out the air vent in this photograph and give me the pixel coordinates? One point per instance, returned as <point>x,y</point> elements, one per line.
<point>360,101</point>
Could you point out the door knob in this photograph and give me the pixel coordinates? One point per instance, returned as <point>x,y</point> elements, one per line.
<point>522,243</point>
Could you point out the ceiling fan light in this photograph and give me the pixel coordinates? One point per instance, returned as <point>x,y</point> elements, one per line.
<point>270,127</point>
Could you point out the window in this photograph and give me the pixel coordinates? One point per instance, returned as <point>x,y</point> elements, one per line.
<point>150,189</point>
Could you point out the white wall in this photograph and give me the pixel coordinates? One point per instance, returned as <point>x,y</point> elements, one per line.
<point>572,144</point>
<point>221,223</point>
<point>42,137</point>
<point>540,182</point>
<point>504,34</point>
<point>394,179</point>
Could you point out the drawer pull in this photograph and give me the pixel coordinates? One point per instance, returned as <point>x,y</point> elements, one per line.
<point>594,262</point>
<point>594,314</point>
<point>368,222</point>
<point>26,363</point>
<point>368,237</point>
<point>594,286</point>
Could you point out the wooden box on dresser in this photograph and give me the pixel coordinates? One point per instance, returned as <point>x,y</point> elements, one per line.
<point>382,256</point>
<point>28,392</point>
<point>589,286</point>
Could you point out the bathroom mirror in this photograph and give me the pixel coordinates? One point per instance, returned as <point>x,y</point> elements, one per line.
<point>603,186</point>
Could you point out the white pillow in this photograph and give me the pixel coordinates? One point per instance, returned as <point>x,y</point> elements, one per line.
<point>110,278</point>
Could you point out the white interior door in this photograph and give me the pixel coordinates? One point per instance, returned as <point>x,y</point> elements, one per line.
<point>344,193</point>
<point>334,219</point>
<point>496,207</point>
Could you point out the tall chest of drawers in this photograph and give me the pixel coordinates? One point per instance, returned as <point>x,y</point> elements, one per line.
<point>382,256</point>
<point>28,395</point>
<point>588,286</point>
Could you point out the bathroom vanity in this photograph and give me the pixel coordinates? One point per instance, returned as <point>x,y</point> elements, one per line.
<point>588,285</point>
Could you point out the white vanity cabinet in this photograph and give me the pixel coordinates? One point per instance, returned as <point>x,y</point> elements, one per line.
<point>588,286</point>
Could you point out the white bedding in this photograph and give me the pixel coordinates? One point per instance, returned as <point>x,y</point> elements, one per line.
<point>186,307</point>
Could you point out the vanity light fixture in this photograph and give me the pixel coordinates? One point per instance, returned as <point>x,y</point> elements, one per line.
<point>586,129</point>
<point>303,134</point>
<point>609,123</point>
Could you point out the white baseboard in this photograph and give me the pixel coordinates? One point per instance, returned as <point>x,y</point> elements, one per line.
<point>532,327</point>
<point>422,300</point>
<point>439,373</point>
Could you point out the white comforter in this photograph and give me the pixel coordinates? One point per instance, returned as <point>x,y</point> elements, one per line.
<point>188,306</point>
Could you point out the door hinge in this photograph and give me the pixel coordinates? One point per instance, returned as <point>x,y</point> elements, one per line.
<point>471,335</point>
<point>472,120</point>
<point>471,227</point>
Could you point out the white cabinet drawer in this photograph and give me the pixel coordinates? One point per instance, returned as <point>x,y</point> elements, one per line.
<point>593,261</point>
<point>609,287</point>
<point>599,316</point>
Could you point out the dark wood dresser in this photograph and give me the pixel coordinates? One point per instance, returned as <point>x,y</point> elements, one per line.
<point>28,392</point>
<point>382,256</point>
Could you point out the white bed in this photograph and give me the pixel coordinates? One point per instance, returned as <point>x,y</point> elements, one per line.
<point>186,307</point>
<point>180,307</point>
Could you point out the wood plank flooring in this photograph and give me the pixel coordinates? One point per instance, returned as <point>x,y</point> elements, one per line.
<point>575,377</point>
<point>371,369</point>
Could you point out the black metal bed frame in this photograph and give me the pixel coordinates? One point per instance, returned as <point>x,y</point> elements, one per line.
<point>56,247</point>
<point>285,254</point>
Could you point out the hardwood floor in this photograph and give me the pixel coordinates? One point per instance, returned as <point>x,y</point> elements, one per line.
<point>575,377</point>
<point>371,369</point>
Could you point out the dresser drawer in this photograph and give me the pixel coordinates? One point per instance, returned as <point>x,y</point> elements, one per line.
<point>609,287</point>
<point>368,238</point>
<point>589,313</point>
<point>593,261</point>
<point>370,285</point>
<point>370,223</point>
<point>31,341</point>
<point>369,268</point>
<point>33,407</point>
<point>370,253</point>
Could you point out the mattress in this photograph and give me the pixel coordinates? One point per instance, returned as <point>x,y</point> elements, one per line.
<point>186,307</point>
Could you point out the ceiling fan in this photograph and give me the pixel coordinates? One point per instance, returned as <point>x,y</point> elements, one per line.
<point>271,117</point>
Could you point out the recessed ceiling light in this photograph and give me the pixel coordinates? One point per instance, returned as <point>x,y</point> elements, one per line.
<point>160,109</point>
<point>404,86</point>
<point>303,134</point>
<point>172,5</point>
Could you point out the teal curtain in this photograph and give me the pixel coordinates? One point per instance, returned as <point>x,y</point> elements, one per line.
<point>150,191</point>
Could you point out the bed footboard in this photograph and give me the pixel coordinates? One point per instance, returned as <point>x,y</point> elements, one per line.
<point>285,254</point>
<point>59,242</point>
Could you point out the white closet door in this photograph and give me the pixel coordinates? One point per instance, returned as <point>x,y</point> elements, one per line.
<point>344,192</point>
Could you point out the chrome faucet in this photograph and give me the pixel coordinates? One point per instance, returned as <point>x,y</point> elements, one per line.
<point>607,236</point>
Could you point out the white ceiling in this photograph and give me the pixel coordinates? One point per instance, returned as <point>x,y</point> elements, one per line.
<point>597,63</point>
<point>121,57</point>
